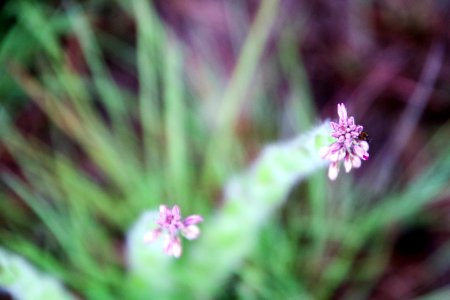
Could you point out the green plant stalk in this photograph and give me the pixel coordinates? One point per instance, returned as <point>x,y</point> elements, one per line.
<point>250,199</point>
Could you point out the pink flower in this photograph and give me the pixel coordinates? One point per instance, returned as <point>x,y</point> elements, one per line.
<point>171,223</point>
<point>349,146</point>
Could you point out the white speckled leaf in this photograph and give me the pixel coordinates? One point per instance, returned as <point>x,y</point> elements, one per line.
<point>24,282</point>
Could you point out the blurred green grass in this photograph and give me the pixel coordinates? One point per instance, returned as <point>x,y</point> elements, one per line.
<point>154,146</point>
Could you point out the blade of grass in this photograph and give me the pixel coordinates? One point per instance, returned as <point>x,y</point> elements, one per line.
<point>222,136</point>
<point>98,143</point>
<point>177,160</point>
<point>150,37</point>
<point>110,94</point>
<point>33,16</point>
<point>300,107</point>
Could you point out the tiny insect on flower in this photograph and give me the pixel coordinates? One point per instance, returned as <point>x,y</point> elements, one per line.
<point>171,224</point>
<point>364,136</point>
<point>350,146</point>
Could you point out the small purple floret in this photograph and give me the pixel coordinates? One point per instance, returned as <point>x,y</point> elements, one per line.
<point>348,147</point>
<point>171,223</point>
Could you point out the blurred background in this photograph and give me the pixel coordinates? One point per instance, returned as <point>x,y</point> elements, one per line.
<point>109,108</point>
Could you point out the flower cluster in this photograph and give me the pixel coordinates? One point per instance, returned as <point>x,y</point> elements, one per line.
<point>350,146</point>
<point>171,223</point>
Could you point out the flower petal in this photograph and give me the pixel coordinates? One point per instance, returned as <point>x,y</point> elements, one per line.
<point>173,228</point>
<point>334,126</point>
<point>342,112</point>
<point>163,213</point>
<point>361,152</point>
<point>335,147</point>
<point>163,209</point>
<point>356,161</point>
<point>176,212</point>
<point>341,154</point>
<point>176,249</point>
<point>348,163</point>
<point>364,145</point>
<point>334,156</point>
<point>193,219</point>
<point>323,152</point>
<point>351,123</point>
<point>348,142</point>
<point>191,232</point>
<point>167,246</point>
<point>336,135</point>
<point>172,246</point>
<point>333,170</point>
<point>152,235</point>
